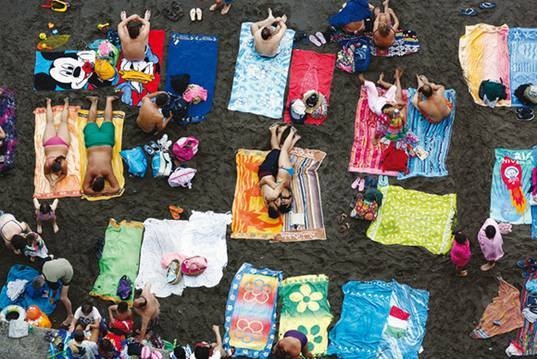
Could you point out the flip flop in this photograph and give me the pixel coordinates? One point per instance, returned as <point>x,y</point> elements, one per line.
<point>192,14</point>
<point>225,9</point>
<point>487,5</point>
<point>321,37</point>
<point>356,182</point>
<point>342,217</point>
<point>344,227</point>
<point>215,6</point>
<point>199,14</point>
<point>314,40</point>
<point>469,11</point>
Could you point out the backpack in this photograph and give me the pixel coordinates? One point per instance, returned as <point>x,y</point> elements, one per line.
<point>194,266</point>
<point>492,90</point>
<point>124,288</point>
<point>185,148</point>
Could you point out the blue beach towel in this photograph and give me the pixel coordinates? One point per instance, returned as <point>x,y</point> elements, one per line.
<point>25,299</point>
<point>371,324</point>
<point>501,205</point>
<point>196,55</point>
<point>522,43</point>
<point>259,82</point>
<point>434,138</point>
<point>354,10</point>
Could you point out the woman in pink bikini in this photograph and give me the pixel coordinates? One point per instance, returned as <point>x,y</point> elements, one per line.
<point>56,144</point>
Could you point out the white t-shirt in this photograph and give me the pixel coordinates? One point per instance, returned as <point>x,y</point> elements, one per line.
<point>87,319</point>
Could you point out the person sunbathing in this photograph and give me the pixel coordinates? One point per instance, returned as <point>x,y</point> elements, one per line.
<point>391,100</point>
<point>267,38</point>
<point>385,25</point>
<point>147,307</point>
<point>286,172</point>
<point>133,32</point>
<point>268,170</point>
<point>150,118</point>
<point>435,107</point>
<point>99,143</point>
<point>56,144</point>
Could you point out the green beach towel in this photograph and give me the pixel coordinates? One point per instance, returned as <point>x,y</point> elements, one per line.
<point>413,218</point>
<point>121,256</point>
<point>305,308</point>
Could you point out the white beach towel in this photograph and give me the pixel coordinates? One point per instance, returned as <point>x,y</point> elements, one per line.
<point>204,234</point>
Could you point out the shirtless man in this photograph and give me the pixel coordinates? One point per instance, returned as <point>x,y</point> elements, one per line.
<point>99,143</point>
<point>385,25</point>
<point>435,107</point>
<point>150,117</point>
<point>133,32</point>
<point>147,307</point>
<point>266,37</point>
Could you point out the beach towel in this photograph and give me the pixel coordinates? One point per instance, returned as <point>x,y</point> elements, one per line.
<point>413,218</point>
<point>309,71</point>
<point>67,70</point>
<point>525,343</point>
<point>502,315</point>
<point>259,82</point>
<point>121,256</point>
<point>365,155</point>
<point>8,119</point>
<point>305,308</point>
<point>484,55</point>
<point>204,234</point>
<point>250,318</point>
<point>140,78</point>
<point>433,138</point>
<point>70,185</point>
<point>196,55</point>
<point>511,178</point>
<point>522,43</point>
<point>117,163</point>
<point>534,222</point>
<point>25,273</point>
<point>406,43</point>
<point>380,320</point>
<point>305,221</point>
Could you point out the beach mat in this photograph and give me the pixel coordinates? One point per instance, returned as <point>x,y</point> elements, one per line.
<point>307,202</point>
<point>380,320</point>
<point>305,308</point>
<point>259,82</point>
<point>433,138</point>
<point>366,155</point>
<point>117,163</point>
<point>250,318</point>
<point>204,234</point>
<point>525,343</point>
<point>26,273</point>
<point>516,165</point>
<point>413,218</point>
<point>121,257</point>
<point>196,55</point>
<point>8,120</point>
<point>70,185</point>
<point>504,309</point>
<point>406,43</point>
<point>522,43</point>
<point>484,55</point>
<point>140,78</point>
<point>310,70</point>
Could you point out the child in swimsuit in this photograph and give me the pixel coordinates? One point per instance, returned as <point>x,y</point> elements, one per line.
<point>45,213</point>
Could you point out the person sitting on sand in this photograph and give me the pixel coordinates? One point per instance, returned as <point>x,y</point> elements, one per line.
<point>267,37</point>
<point>99,143</point>
<point>10,227</point>
<point>293,345</point>
<point>148,308</point>
<point>385,25</point>
<point>133,32</point>
<point>150,118</point>
<point>204,350</point>
<point>56,144</point>
<point>80,347</point>
<point>218,4</point>
<point>56,272</point>
<point>87,318</point>
<point>435,107</point>
<point>45,212</point>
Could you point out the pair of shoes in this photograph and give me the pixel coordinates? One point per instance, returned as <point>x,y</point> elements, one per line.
<point>317,39</point>
<point>525,114</point>
<point>174,12</point>
<point>196,14</point>
<point>469,11</point>
<point>225,8</point>
<point>359,183</point>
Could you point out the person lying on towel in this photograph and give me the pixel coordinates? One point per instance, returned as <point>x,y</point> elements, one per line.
<point>99,143</point>
<point>267,37</point>
<point>435,107</point>
<point>133,32</point>
<point>276,172</point>
<point>385,25</point>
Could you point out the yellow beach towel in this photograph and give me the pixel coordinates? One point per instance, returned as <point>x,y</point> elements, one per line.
<point>70,185</point>
<point>117,164</point>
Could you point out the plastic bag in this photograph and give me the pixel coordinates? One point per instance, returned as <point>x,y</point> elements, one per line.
<point>135,160</point>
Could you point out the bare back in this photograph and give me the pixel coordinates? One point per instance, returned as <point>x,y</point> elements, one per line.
<point>149,117</point>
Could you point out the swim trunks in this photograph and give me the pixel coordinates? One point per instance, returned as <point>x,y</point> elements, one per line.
<point>99,136</point>
<point>269,167</point>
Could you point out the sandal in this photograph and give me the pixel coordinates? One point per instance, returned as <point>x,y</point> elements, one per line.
<point>321,37</point>
<point>469,11</point>
<point>199,14</point>
<point>342,217</point>
<point>344,227</point>
<point>314,40</point>
<point>225,9</point>
<point>487,5</point>
<point>193,14</point>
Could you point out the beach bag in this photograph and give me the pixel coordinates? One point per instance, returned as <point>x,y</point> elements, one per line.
<point>492,90</point>
<point>124,288</point>
<point>185,148</point>
<point>364,209</point>
<point>135,160</point>
<point>194,266</point>
<point>182,177</point>
<point>354,57</point>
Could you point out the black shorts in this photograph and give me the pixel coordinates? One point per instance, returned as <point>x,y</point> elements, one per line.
<point>269,167</point>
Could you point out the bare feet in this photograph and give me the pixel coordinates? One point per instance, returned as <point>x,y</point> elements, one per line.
<point>93,99</point>
<point>66,101</point>
<point>39,229</point>
<point>225,9</point>
<point>147,15</point>
<point>284,18</point>
<point>361,77</point>
<point>123,15</point>
<point>398,72</point>
<point>55,228</point>
<point>270,13</point>
<point>111,98</point>
<point>67,321</point>
<point>215,6</point>
<point>487,266</point>
<point>49,101</point>
<point>462,273</point>
<point>381,78</point>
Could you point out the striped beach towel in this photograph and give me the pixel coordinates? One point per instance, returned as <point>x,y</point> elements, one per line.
<point>525,343</point>
<point>433,138</point>
<point>305,308</point>
<point>250,318</point>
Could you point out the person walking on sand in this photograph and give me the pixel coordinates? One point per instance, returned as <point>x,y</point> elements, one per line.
<point>133,32</point>
<point>491,242</point>
<point>267,38</point>
<point>56,144</point>
<point>435,107</point>
<point>460,253</point>
<point>224,4</point>
<point>99,143</point>
<point>385,25</point>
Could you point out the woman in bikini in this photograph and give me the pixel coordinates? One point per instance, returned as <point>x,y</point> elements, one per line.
<point>10,227</point>
<point>286,172</point>
<point>56,144</point>
<point>385,25</point>
<point>435,107</point>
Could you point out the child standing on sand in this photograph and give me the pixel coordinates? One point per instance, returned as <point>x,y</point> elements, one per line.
<point>460,253</point>
<point>491,241</point>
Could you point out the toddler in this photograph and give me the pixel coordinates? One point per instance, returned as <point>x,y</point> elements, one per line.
<point>45,213</point>
<point>460,253</point>
<point>491,242</point>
